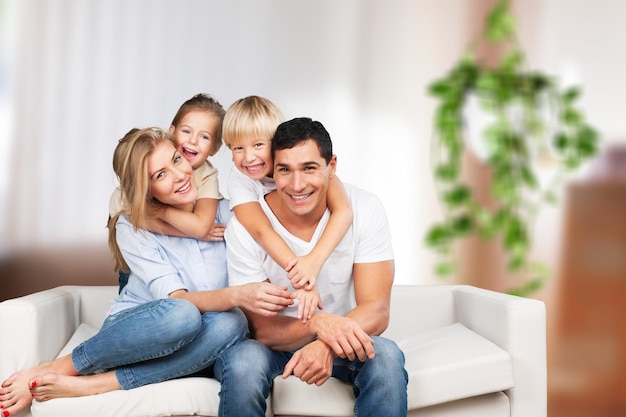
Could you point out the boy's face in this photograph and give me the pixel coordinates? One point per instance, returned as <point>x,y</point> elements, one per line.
<point>253,157</point>
<point>195,134</point>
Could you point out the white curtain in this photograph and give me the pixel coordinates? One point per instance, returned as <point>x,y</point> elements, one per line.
<point>82,73</point>
<point>76,75</point>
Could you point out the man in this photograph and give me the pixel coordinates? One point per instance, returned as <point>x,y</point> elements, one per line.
<point>343,339</point>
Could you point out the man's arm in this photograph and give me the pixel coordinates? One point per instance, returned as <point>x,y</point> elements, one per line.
<point>343,336</point>
<point>279,332</point>
<point>372,289</point>
<point>348,336</point>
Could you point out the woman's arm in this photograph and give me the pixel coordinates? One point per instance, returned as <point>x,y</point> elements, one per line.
<point>262,298</point>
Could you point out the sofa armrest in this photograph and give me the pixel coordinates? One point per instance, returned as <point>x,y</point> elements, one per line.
<point>517,325</point>
<point>35,327</point>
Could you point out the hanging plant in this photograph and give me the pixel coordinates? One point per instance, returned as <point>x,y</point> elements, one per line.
<point>531,118</point>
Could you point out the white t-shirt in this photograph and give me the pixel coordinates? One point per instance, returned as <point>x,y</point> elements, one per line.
<point>367,240</point>
<point>243,189</point>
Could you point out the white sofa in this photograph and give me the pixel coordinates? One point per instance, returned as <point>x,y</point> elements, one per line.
<point>469,352</point>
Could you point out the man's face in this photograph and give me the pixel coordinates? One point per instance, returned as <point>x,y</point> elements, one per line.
<point>302,176</point>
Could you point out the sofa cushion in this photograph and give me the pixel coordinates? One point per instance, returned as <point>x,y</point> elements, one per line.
<point>180,397</point>
<point>452,362</point>
<point>81,334</point>
<point>193,396</point>
<point>294,397</point>
<point>445,364</point>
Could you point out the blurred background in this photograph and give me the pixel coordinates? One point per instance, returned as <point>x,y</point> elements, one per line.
<point>76,75</point>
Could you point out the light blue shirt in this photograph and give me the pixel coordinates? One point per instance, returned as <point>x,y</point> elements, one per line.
<point>161,264</point>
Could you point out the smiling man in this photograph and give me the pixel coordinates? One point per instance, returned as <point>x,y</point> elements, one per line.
<point>343,340</point>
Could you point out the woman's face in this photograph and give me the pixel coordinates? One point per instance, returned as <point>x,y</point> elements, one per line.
<point>171,177</point>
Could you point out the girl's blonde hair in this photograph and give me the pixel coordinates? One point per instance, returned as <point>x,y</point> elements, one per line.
<point>130,163</point>
<point>251,116</point>
<point>206,103</point>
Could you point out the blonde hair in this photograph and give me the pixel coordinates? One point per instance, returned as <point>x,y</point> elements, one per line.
<point>251,116</point>
<point>206,103</point>
<point>130,163</point>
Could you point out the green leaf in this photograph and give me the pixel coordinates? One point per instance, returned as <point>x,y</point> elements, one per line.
<point>444,269</point>
<point>447,172</point>
<point>439,88</point>
<point>462,225</point>
<point>571,94</point>
<point>438,235</point>
<point>500,24</point>
<point>571,116</point>
<point>457,196</point>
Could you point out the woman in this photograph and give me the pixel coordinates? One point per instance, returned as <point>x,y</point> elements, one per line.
<point>176,314</point>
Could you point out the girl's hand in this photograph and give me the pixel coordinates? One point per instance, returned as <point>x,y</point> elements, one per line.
<point>308,302</point>
<point>216,233</point>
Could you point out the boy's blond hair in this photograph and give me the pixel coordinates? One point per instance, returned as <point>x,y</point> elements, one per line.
<point>250,116</point>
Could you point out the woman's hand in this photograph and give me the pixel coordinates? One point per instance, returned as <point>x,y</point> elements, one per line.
<point>263,298</point>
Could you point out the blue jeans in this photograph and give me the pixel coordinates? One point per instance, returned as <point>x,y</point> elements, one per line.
<point>247,369</point>
<point>158,341</point>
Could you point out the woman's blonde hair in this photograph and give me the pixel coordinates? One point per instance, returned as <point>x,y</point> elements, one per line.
<point>251,116</point>
<point>130,163</point>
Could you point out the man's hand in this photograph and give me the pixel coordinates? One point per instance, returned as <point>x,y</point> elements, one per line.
<point>263,298</point>
<point>312,364</point>
<point>343,335</point>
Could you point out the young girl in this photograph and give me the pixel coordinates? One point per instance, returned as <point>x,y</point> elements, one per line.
<point>175,315</point>
<point>197,131</point>
<point>249,125</point>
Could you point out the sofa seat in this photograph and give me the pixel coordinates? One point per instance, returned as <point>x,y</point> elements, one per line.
<point>469,353</point>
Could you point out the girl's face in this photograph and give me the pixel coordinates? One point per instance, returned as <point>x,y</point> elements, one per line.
<point>195,135</point>
<point>171,177</point>
<point>253,157</point>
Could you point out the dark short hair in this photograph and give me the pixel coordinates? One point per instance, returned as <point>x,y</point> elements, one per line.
<point>295,131</point>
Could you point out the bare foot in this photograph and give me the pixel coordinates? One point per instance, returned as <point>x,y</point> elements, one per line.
<point>15,392</point>
<point>49,386</point>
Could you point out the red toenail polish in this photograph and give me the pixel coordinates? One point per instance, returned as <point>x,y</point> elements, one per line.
<point>5,413</point>
<point>33,384</point>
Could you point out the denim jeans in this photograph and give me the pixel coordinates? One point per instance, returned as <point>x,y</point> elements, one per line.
<point>158,341</point>
<point>247,369</point>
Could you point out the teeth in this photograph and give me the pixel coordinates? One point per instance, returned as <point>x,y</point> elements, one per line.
<point>254,168</point>
<point>300,197</point>
<point>184,188</point>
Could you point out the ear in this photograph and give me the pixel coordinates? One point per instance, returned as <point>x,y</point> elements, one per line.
<point>172,129</point>
<point>333,166</point>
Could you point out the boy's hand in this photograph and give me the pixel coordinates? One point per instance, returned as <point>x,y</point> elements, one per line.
<point>303,271</point>
<point>308,302</point>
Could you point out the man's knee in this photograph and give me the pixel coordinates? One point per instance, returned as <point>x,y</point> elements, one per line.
<point>246,359</point>
<point>389,357</point>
